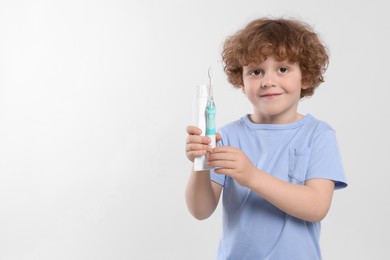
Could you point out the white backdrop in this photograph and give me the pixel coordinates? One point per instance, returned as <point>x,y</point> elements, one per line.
<point>94,100</point>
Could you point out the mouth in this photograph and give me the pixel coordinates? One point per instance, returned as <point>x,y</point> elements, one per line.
<point>270,95</point>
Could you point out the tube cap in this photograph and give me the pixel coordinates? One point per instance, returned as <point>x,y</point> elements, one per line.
<point>201,91</point>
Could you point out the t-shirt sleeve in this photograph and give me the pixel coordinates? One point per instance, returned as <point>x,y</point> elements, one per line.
<point>325,160</point>
<point>218,178</point>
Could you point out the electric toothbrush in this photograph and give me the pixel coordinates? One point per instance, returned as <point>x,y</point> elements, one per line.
<point>210,113</point>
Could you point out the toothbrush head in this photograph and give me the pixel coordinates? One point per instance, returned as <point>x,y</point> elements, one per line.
<point>210,74</point>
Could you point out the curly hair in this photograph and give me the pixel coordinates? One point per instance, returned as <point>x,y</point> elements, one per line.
<point>286,39</point>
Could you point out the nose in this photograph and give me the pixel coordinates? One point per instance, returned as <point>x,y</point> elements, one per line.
<point>268,81</point>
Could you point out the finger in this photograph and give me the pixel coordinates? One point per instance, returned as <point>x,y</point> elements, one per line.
<point>221,156</point>
<point>218,137</point>
<point>193,154</point>
<point>193,130</point>
<point>221,164</point>
<point>224,149</point>
<point>197,147</point>
<point>198,139</point>
<point>224,171</point>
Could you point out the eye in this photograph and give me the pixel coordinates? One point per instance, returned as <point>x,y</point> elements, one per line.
<point>283,70</point>
<point>255,72</point>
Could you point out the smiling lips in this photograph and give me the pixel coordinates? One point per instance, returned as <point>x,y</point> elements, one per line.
<point>270,95</point>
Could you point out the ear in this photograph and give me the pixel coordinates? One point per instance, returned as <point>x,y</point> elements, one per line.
<point>243,89</point>
<point>305,85</point>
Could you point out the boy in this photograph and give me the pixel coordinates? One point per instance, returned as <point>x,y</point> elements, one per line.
<point>277,168</point>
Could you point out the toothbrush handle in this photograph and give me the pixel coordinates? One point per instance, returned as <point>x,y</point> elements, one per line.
<point>210,124</point>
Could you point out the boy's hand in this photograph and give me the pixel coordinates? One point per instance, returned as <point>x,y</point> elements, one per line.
<point>232,162</point>
<point>197,145</point>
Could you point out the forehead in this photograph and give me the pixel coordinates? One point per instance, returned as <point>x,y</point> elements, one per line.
<point>271,61</point>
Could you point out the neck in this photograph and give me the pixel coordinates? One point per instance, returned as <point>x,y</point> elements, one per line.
<point>269,119</point>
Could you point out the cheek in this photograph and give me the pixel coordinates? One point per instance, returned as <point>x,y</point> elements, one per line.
<point>245,88</point>
<point>249,86</point>
<point>295,87</point>
<point>249,91</point>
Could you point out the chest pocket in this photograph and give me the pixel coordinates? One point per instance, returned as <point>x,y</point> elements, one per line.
<point>298,165</point>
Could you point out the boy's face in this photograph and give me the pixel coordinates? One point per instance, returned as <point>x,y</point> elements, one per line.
<point>273,87</point>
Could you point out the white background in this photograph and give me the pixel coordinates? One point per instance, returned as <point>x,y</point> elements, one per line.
<point>94,100</point>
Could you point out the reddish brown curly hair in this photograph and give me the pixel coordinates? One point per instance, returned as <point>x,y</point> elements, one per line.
<point>286,39</point>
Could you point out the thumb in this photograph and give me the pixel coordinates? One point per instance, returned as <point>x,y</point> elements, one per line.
<point>218,137</point>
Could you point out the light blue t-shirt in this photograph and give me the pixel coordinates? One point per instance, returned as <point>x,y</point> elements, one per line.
<point>252,227</point>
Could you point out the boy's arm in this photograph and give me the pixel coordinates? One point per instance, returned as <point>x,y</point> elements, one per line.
<point>309,202</point>
<point>202,195</point>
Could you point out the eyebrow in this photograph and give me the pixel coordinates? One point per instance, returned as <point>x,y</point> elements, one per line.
<point>252,66</point>
<point>282,62</point>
